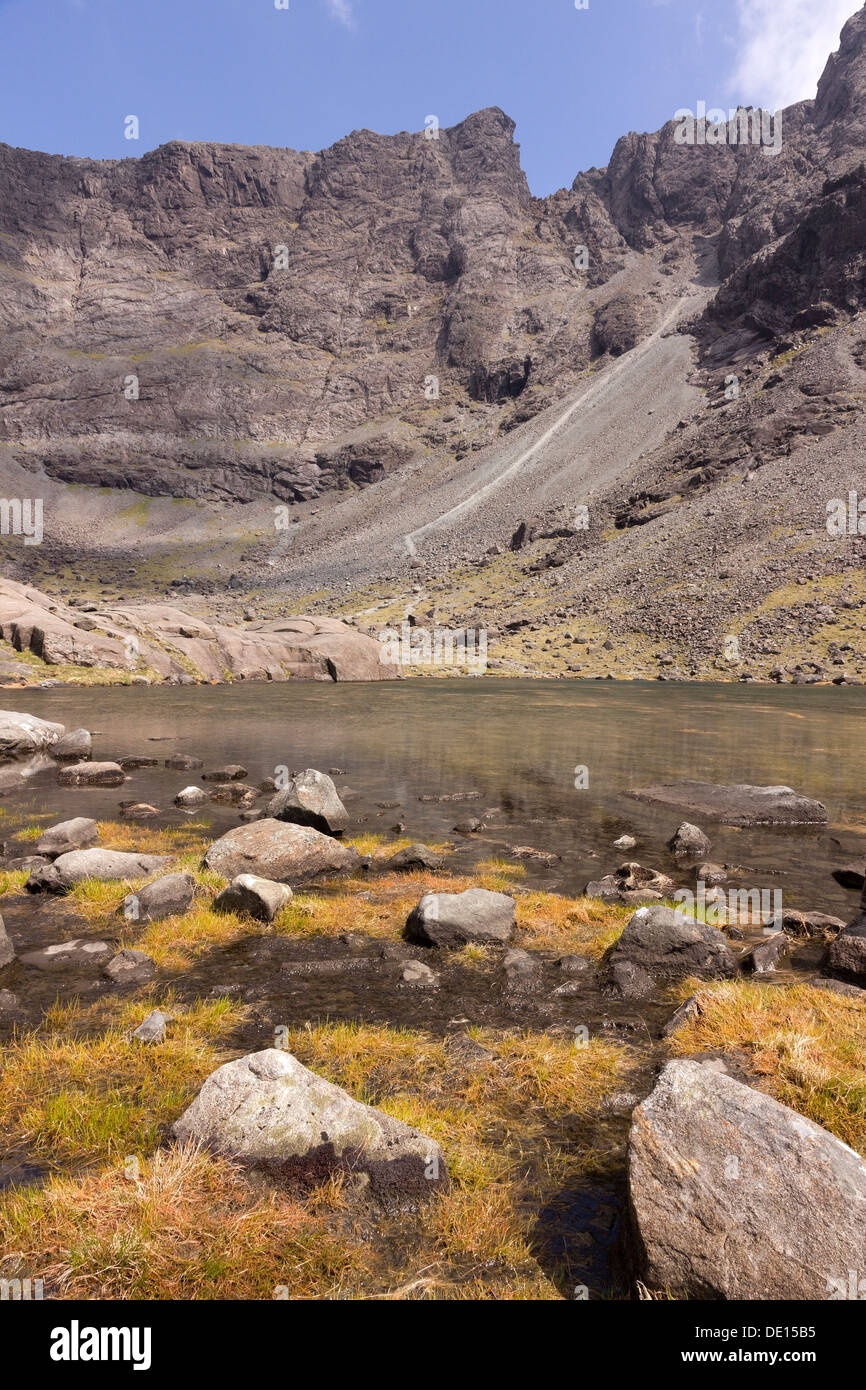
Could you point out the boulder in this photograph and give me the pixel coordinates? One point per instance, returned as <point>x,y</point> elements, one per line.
<point>847,954</point>
<point>69,955</point>
<point>152,1029</point>
<point>74,746</point>
<point>413,857</point>
<point>767,954</point>
<point>668,945</point>
<point>249,896</point>
<point>91,775</point>
<point>7,950</point>
<point>189,797</point>
<point>233,772</point>
<point>631,883</point>
<point>310,799</point>
<point>688,1011</point>
<point>852,875</point>
<point>79,864</point>
<point>270,1111</point>
<point>169,896</point>
<point>67,835</point>
<point>738,803</point>
<point>233,794</point>
<point>689,839</point>
<point>24,734</point>
<point>625,842</point>
<point>415,972</point>
<point>283,852</point>
<point>455,919</point>
<point>521,969</point>
<point>734,1196</point>
<point>129,967</point>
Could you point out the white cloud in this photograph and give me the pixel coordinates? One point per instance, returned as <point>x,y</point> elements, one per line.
<point>342,11</point>
<point>782,48</point>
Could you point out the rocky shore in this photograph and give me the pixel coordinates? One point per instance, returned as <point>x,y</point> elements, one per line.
<point>292,1022</point>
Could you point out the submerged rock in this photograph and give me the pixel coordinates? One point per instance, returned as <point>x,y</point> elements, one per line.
<point>183,762</point>
<point>283,852</point>
<point>738,803</point>
<point>669,945</point>
<point>734,1196</point>
<point>455,919</point>
<point>269,1110</point>
<point>310,799</point>
<point>68,955</point>
<point>67,835</point>
<point>233,772</point>
<point>91,775</point>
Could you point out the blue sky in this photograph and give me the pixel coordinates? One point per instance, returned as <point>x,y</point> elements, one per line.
<point>245,72</point>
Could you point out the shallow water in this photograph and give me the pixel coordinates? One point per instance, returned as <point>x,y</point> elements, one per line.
<point>517,744</point>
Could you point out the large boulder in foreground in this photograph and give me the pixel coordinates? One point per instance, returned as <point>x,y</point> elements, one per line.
<point>456,919</point>
<point>79,864</point>
<point>67,835</point>
<point>734,1196</point>
<point>277,850</point>
<point>667,945</point>
<point>738,803</point>
<point>310,798</point>
<point>270,1111</point>
<point>24,734</point>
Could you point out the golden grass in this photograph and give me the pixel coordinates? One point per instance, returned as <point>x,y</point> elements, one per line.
<point>136,838</point>
<point>807,1043</point>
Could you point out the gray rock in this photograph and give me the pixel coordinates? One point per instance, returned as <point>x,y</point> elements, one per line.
<point>169,896</point>
<point>9,1002</point>
<point>573,965</point>
<point>310,799</point>
<point>24,734</point>
<point>689,839</point>
<point>413,857</point>
<point>74,746</point>
<point>268,1110</point>
<point>734,1196</point>
<point>687,1012</point>
<point>249,896</point>
<point>669,945</point>
<point>467,1050</point>
<point>847,954</point>
<point>629,981</point>
<point>521,969</point>
<point>91,775</point>
<point>7,950</point>
<point>189,797</point>
<point>455,919</point>
<point>415,972</point>
<point>129,967</point>
<point>767,954</point>
<point>852,876</point>
<point>130,762</point>
<point>631,883</point>
<point>69,955</point>
<point>280,851</point>
<point>840,987</point>
<point>710,873</point>
<point>139,810</point>
<point>26,861</point>
<point>79,864</point>
<point>625,842</point>
<point>67,835</point>
<point>152,1029</point>
<point>233,772</point>
<point>738,803</point>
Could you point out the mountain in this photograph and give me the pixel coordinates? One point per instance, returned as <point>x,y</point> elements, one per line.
<point>386,378</point>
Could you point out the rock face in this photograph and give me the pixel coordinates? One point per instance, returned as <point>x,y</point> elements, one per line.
<point>734,1196</point>
<point>276,850</point>
<point>167,643</point>
<point>456,919</point>
<point>739,804</point>
<point>23,734</point>
<point>668,945</point>
<point>79,864</point>
<point>67,835</point>
<point>270,1111</point>
<point>310,798</point>
<point>250,896</point>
